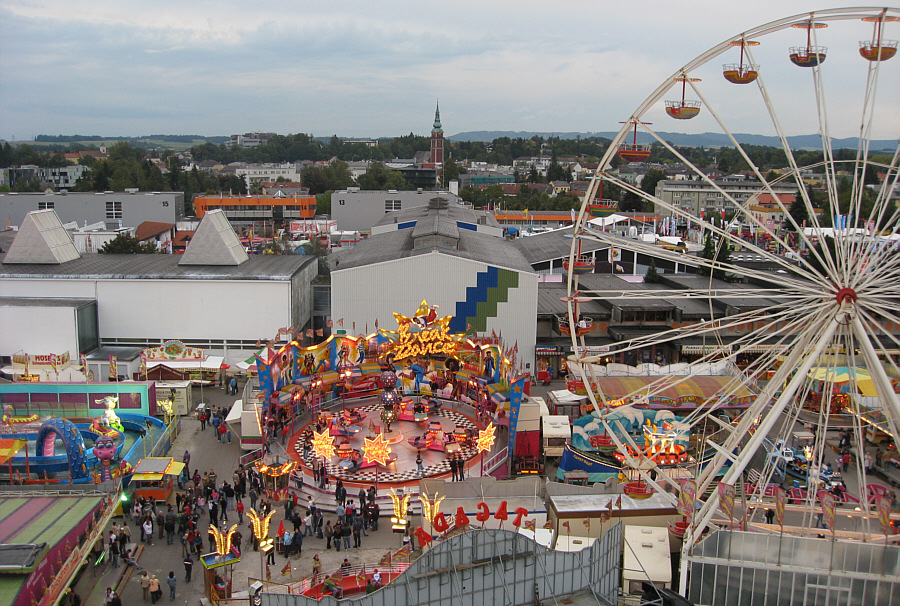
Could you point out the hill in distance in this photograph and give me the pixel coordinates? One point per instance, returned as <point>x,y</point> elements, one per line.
<point>686,140</point>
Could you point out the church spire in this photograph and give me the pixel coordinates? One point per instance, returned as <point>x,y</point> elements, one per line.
<point>437,117</point>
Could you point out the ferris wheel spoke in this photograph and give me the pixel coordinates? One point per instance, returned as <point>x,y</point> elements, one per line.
<point>824,258</point>
<point>810,272</point>
<point>745,211</point>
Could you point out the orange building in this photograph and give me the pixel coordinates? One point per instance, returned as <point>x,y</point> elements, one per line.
<point>251,209</point>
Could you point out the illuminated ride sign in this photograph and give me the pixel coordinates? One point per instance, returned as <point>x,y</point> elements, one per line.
<point>424,334</point>
<point>441,524</point>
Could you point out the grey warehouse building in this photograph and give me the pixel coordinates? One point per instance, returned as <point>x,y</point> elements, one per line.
<point>359,210</point>
<point>128,209</point>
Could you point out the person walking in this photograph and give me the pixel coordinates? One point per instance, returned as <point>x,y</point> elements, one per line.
<point>147,527</point>
<point>203,418</point>
<point>186,459</point>
<point>171,581</point>
<point>240,511</point>
<point>329,534</point>
<point>338,531</point>
<point>317,568</point>
<point>357,530</point>
<point>155,590</point>
<point>188,568</point>
<point>145,585</point>
<point>346,532</point>
<point>215,425</point>
<point>114,551</point>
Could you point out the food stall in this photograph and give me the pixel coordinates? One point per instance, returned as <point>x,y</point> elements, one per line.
<point>154,477</point>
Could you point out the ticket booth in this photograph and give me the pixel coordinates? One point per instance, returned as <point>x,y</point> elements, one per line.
<point>154,478</point>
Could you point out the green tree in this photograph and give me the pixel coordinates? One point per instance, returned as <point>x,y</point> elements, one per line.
<point>379,177</point>
<point>126,244</point>
<point>652,275</point>
<point>708,252</point>
<point>653,176</point>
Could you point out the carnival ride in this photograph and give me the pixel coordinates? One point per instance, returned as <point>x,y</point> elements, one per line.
<point>827,299</point>
<point>77,450</point>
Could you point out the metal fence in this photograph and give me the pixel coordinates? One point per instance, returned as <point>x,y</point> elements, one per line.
<point>732,567</point>
<point>490,566</point>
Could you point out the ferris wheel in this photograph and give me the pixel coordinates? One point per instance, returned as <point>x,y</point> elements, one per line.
<point>821,321</point>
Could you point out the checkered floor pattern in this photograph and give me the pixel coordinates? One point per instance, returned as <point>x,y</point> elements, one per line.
<point>368,475</point>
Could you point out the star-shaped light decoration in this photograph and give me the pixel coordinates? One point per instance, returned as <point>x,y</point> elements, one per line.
<point>486,438</point>
<point>376,450</point>
<point>323,444</point>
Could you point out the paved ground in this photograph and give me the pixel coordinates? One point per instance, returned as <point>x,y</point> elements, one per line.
<point>159,558</point>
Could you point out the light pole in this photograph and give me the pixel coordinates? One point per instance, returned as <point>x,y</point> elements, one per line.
<point>261,533</point>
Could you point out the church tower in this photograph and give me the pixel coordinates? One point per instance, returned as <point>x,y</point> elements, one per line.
<point>437,139</point>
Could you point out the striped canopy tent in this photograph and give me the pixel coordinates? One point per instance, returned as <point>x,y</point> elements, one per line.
<point>9,447</point>
<point>842,377</point>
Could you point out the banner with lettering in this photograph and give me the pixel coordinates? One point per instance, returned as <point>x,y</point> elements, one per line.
<point>726,500</point>
<point>515,404</point>
<point>686,498</point>
<point>779,506</point>
<point>828,510</point>
<point>883,507</point>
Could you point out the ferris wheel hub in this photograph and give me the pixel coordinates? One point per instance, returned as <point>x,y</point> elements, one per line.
<point>846,294</point>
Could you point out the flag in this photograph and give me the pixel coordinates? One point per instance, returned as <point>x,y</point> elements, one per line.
<point>566,526</point>
<point>403,552</point>
<point>587,523</point>
<point>113,372</point>
<point>376,323</point>
<point>354,327</point>
<point>329,323</point>
<point>685,504</point>
<point>320,332</point>
<point>309,332</point>
<point>883,507</point>
<point>286,570</point>
<point>385,559</point>
<point>609,505</point>
<point>548,525</point>
<point>341,322</point>
<point>361,577</point>
<point>280,532</point>
<point>605,517</point>
<point>619,502</point>
<point>83,363</point>
<point>531,525</point>
<point>828,510</point>
<point>779,505</point>
<point>726,499</point>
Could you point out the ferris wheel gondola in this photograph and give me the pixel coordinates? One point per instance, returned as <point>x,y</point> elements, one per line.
<point>741,73</point>
<point>809,55</point>
<point>878,49</point>
<point>683,109</point>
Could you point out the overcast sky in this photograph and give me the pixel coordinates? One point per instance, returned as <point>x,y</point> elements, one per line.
<point>369,69</point>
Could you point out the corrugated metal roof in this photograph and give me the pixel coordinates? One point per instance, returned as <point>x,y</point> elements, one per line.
<point>552,245</point>
<point>469,244</point>
<point>160,267</point>
<point>43,302</point>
